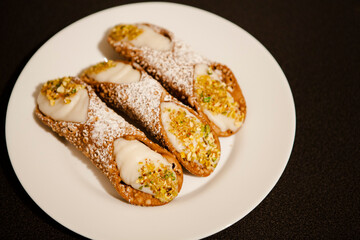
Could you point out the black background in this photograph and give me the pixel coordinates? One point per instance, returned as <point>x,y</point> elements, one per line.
<point>316,43</point>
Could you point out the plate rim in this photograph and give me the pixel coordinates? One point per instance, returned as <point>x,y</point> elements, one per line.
<point>150,3</point>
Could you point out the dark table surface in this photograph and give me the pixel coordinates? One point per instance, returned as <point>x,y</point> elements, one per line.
<point>316,43</point>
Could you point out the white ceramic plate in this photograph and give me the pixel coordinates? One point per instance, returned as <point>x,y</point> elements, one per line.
<point>73,192</point>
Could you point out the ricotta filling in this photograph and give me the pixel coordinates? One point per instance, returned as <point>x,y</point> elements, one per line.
<point>74,111</point>
<point>191,138</point>
<point>130,155</point>
<point>221,121</point>
<point>150,38</point>
<point>120,73</point>
<point>166,121</point>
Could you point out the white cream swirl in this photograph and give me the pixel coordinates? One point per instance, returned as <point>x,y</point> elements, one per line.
<point>74,111</point>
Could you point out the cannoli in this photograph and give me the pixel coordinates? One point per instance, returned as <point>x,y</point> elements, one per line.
<point>142,172</point>
<point>130,90</point>
<point>209,87</point>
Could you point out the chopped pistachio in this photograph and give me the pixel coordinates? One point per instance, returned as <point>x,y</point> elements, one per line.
<point>160,179</point>
<point>206,99</point>
<point>121,32</point>
<point>214,96</point>
<point>102,66</point>
<point>196,138</point>
<point>60,88</point>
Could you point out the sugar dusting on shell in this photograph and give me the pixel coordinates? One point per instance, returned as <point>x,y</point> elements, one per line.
<point>143,100</point>
<point>102,128</point>
<point>176,65</point>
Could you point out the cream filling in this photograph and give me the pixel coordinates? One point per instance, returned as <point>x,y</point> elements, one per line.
<point>221,121</point>
<point>165,120</point>
<point>75,111</point>
<point>120,73</point>
<point>150,38</point>
<point>204,69</point>
<point>128,155</point>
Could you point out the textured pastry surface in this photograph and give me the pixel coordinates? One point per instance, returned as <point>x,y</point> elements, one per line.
<point>95,138</point>
<point>175,69</point>
<point>142,100</point>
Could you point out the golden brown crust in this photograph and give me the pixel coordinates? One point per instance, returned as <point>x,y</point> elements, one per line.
<point>192,167</point>
<point>141,56</point>
<point>230,80</point>
<point>101,155</point>
<point>114,95</point>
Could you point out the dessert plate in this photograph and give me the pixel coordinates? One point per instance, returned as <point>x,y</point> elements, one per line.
<point>73,192</point>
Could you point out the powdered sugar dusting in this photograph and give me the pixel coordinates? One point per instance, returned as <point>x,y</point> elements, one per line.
<point>175,65</point>
<point>107,125</point>
<point>102,128</point>
<point>184,55</point>
<point>168,98</point>
<point>143,100</point>
<point>96,135</point>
